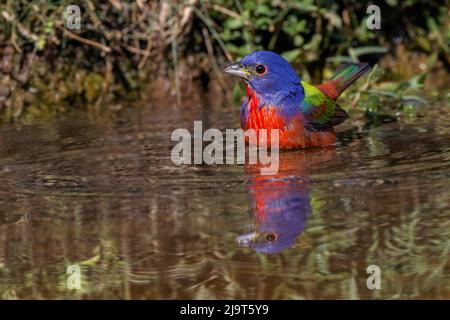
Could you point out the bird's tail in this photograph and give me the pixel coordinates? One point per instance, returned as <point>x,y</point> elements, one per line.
<point>344,76</point>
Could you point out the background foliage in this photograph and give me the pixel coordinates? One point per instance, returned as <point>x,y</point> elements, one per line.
<point>124,44</point>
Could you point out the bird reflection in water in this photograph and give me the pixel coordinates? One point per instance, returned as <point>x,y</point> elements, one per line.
<point>281,202</point>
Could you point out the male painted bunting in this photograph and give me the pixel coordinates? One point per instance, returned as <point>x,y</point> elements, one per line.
<point>278,99</point>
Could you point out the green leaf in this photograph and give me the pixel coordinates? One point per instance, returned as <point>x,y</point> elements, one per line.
<point>233,24</point>
<point>340,59</point>
<point>360,51</point>
<point>40,43</point>
<point>292,54</point>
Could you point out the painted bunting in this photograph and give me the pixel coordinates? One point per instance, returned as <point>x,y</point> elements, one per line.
<point>277,98</point>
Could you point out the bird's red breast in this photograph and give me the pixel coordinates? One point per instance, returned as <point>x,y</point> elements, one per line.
<point>292,131</point>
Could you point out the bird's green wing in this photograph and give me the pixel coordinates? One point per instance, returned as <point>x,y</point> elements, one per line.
<point>319,109</point>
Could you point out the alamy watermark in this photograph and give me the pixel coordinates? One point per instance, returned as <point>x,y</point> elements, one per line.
<point>74,277</point>
<point>374,20</point>
<point>374,280</point>
<point>221,147</point>
<point>72,17</point>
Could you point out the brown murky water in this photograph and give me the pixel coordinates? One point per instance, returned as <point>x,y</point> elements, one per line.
<point>104,195</point>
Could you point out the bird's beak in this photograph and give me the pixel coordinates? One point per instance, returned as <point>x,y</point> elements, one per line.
<point>237,69</point>
<point>247,239</point>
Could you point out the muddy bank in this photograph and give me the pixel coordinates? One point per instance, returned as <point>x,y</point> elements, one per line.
<point>47,66</point>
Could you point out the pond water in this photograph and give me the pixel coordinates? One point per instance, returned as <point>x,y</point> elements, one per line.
<point>101,193</point>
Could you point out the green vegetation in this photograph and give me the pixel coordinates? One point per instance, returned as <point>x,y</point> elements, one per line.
<point>123,45</point>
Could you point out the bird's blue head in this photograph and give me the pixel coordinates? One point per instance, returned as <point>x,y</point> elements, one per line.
<point>270,76</point>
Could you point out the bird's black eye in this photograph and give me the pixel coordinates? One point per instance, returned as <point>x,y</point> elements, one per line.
<point>260,69</point>
<point>270,237</point>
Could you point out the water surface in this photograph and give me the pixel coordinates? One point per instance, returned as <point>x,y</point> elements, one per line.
<point>103,194</point>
